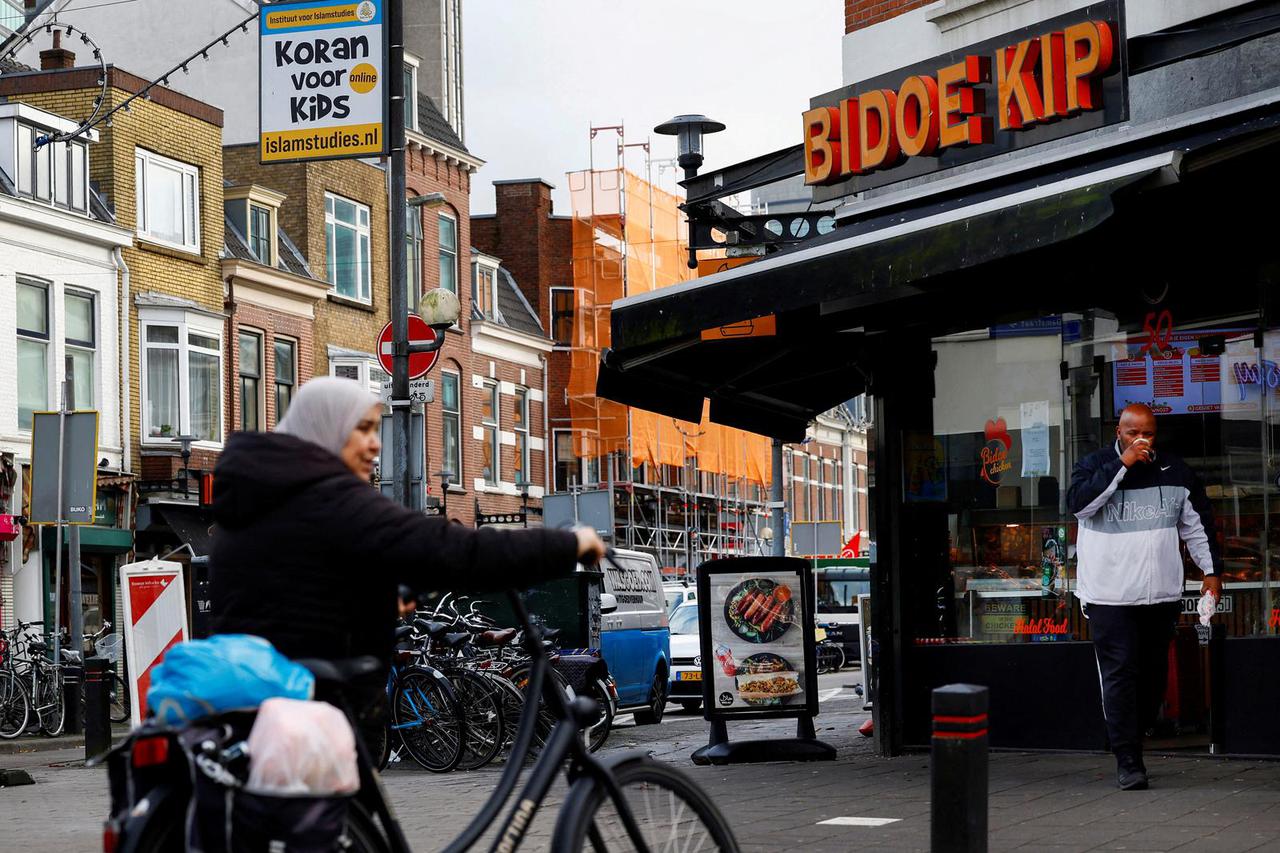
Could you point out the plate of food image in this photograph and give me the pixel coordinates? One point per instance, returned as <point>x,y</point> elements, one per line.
<point>759,610</point>
<point>767,679</point>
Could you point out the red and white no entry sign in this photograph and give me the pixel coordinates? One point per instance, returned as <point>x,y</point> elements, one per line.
<point>419,333</point>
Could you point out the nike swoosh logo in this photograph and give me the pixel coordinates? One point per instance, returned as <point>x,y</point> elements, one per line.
<point>1166,468</point>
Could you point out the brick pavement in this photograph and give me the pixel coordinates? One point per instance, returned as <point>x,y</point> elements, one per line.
<point>1038,802</point>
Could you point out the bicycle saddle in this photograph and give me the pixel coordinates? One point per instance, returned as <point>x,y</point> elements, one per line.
<point>432,627</point>
<point>550,633</point>
<point>453,641</point>
<point>403,631</point>
<point>340,671</point>
<point>496,638</point>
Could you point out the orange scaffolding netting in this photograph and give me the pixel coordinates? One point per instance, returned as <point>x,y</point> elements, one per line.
<point>630,237</point>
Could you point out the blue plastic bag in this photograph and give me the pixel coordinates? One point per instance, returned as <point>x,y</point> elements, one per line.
<point>227,672</point>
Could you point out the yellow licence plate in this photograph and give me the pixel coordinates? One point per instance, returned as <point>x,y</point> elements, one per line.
<point>691,675</point>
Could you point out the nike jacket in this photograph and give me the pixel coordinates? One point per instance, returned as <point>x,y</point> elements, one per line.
<point>1130,522</point>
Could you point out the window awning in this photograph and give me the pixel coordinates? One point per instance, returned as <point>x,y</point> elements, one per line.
<point>835,296</point>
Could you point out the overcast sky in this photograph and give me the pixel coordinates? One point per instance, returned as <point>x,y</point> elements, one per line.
<point>539,73</point>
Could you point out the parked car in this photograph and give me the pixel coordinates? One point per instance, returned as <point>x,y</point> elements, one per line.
<point>634,635</point>
<point>686,657</point>
<point>677,593</point>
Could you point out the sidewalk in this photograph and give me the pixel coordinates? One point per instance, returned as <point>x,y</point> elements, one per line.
<point>39,743</point>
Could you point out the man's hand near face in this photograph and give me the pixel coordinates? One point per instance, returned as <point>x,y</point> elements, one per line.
<point>1138,451</point>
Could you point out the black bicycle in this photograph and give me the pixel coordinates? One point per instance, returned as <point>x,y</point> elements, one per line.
<point>626,802</point>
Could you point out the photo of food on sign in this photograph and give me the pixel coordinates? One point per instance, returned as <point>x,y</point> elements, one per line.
<point>756,647</point>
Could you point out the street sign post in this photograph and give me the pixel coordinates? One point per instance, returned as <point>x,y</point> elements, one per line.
<point>69,461</point>
<point>419,334</point>
<point>420,391</point>
<point>417,459</point>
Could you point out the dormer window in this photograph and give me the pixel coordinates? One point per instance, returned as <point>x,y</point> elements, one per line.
<point>55,173</point>
<point>253,212</point>
<point>484,286</point>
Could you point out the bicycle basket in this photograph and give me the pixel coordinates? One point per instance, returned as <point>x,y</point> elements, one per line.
<point>109,647</point>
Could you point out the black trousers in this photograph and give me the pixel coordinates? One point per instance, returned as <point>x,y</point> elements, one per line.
<point>1132,647</point>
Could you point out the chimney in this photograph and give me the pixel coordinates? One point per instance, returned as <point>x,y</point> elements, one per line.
<point>56,57</point>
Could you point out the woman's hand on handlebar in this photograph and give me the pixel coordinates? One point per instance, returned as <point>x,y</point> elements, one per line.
<point>591,547</point>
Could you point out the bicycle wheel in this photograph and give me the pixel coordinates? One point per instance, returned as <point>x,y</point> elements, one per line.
<point>671,811</point>
<point>15,707</point>
<point>429,721</point>
<point>598,732</point>
<point>482,708</point>
<point>546,719</point>
<point>119,699</point>
<point>50,704</point>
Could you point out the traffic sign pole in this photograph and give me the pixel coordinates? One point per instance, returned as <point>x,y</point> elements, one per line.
<point>400,403</point>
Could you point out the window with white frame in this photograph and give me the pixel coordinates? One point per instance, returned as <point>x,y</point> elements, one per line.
<point>80,337</point>
<point>346,228</point>
<point>286,353</point>
<point>451,426</point>
<point>366,372</point>
<point>448,252</point>
<point>182,377</point>
<point>168,200</point>
<point>56,172</point>
<point>489,427</point>
<point>410,94</point>
<point>562,316</point>
<point>520,424</point>
<point>251,419</point>
<point>413,254</point>
<point>484,288</point>
<point>33,350</point>
<point>260,232</point>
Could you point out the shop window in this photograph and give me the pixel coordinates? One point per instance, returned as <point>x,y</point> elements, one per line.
<point>251,418</point>
<point>451,411</point>
<point>168,200</point>
<point>346,225</point>
<point>490,449</point>
<point>33,350</point>
<point>82,343</point>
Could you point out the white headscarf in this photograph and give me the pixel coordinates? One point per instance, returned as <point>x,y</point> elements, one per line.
<point>326,410</point>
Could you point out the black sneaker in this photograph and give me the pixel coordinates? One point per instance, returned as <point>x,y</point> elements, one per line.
<point>1133,779</point>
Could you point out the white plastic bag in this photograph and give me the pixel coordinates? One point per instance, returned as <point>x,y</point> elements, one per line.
<point>298,747</point>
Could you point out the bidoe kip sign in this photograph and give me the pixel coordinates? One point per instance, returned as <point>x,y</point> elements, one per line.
<point>323,88</point>
<point>1061,77</point>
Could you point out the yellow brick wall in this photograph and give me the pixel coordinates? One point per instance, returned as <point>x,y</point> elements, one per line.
<point>153,269</point>
<point>302,218</point>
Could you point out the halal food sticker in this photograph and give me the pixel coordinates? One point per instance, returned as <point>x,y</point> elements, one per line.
<point>366,11</point>
<point>759,610</point>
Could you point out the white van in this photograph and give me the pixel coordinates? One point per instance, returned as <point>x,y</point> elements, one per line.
<point>634,635</point>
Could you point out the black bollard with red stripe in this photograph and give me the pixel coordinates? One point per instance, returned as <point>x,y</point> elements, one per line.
<point>959,769</point>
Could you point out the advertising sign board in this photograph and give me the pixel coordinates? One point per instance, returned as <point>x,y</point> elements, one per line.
<point>155,620</point>
<point>322,81</point>
<point>757,638</point>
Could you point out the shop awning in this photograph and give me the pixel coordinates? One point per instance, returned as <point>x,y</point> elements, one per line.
<point>189,524</point>
<point>834,297</point>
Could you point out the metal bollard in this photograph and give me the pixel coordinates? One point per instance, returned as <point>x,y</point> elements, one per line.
<point>72,678</point>
<point>959,769</point>
<point>97,707</point>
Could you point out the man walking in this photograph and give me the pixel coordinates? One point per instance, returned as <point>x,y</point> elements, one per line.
<point>1134,503</point>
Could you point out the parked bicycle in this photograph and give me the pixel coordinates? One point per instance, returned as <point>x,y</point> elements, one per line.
<point>627,802</point>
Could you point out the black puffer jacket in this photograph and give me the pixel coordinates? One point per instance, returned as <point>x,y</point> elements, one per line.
<point>309,556</point>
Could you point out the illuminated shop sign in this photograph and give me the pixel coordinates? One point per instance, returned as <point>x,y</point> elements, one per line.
<point>1059,78</point>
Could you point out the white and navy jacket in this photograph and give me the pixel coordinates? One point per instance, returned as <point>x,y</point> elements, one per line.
<point>1130,523</point>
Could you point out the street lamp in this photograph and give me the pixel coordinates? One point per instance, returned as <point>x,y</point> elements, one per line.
<point>689,130</point>
<point>184,441</point>
<point>523,486</point>
<point>446,477</point>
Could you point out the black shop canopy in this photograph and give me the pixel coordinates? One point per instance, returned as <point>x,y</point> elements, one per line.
<point>1097,223</point>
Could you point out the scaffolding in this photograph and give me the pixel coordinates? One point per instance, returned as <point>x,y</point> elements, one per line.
<point>685,492</point>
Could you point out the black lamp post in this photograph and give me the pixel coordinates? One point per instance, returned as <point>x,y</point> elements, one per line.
<point>688,131</point>
<point>524,501</point>
<point>184,441</point>
<point>446,478</point>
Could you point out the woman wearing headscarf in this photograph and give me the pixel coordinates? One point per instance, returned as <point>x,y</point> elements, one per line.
<point>308,555</point>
